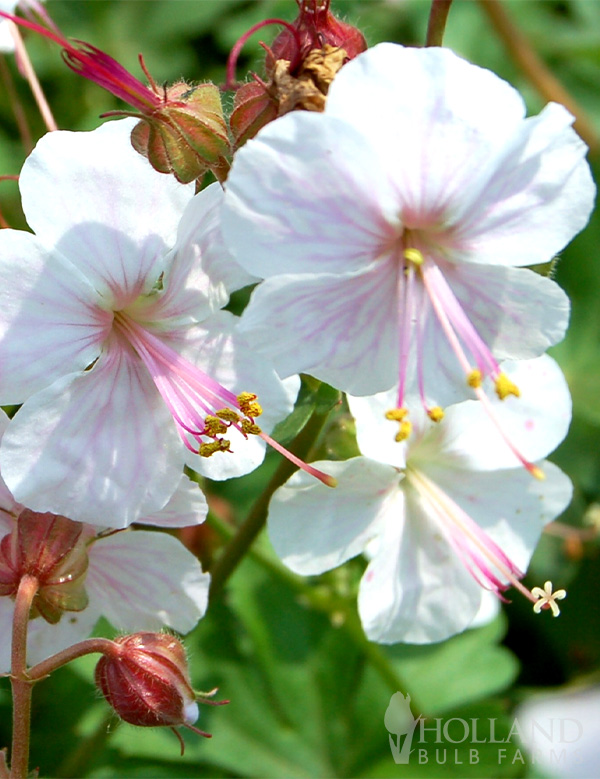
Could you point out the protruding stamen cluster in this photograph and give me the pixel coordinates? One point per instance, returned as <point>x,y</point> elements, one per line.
<point>434,292</point>
<point>200,406</point>
<point>483,558</point>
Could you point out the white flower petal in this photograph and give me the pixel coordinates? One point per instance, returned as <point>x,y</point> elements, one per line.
<point>536,422</point>
<point>50,322</point>
<point>314,528</point>
<point>374,433</point>
<point>187,506</point>
<point>539,197</point>
<point>308,217</point>
<point>103,206</point>
<point>98,447</point>
<point>510,506</point>
<point>415,589</point>
<point>339,328</point>
<point>412,86</point>
<point>202,265</point>
<point>44,639</point>
<point>143,580</point>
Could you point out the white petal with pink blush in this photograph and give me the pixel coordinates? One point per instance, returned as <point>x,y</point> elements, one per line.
<point>116,281</point>
<point>424,168</point>
<point>442,516</point>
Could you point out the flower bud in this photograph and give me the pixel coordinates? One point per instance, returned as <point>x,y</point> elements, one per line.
<point>315,28</point>
<point>146,681</point>
<point>52,549</point>
<point>187,134</point>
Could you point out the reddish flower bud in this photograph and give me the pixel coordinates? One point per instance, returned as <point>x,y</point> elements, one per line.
<point>146,681</point>
<point>52,549</point>
<point>315,28</point>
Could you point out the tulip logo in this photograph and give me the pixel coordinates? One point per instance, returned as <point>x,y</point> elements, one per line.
<point>400,722</point>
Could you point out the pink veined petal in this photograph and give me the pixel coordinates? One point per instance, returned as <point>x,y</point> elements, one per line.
<point>144,580</point>
<point>187,506</point>
<point>516,312</point>
<point>117,240</point>
<point>508,506</point>
<point>50,322</point>
<point>339,328</point>
<point>309,218</point>
<point>8,505</point>
<point>536,422</point>
<point>389,82</point>
<point>415,589</point>
<point>202,263</point>
<point>539,197</point>
<point>314,528</point>
<point>98,447</point>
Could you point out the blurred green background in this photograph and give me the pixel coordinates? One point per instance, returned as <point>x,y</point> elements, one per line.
<point>308,693</point>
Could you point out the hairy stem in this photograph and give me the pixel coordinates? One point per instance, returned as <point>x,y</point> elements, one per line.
<point>436,26</point>
<point>102,645</point>
<point>21,685</point>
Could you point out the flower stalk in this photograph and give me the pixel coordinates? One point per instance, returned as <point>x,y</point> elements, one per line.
<point>21,684</point>
<point>436,25</point>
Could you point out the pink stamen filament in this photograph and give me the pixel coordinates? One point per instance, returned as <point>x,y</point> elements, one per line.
<point>95,65</point>
<point>438,286</point>
<point>406,292</point>
<point>191,395</point>
<point>427,270</point>
<point>462,531</point>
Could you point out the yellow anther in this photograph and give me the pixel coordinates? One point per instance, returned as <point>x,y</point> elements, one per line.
<point>536,472</point>
<point>214,426</point>
<point>396,414</point>
<point>414,256</point>
<point>505,387</point>
<point>547,599</point>
<point>228,414</point>
<point>436,414</point>
<point>405,430</point>
<point>220,445</point>
<point>474,379</point>
<point>248,404</point>
<point>250,428</point>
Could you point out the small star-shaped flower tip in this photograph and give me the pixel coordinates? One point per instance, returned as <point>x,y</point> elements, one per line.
<point>547,598</point>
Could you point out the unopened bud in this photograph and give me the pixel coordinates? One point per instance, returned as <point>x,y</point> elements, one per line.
<point>146,681</point>
<point>187,134</point>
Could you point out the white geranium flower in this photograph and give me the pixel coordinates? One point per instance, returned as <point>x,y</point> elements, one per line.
<point>392,229</point>
<point>108,332</point>
<point>443,514</point>
<point>138,580</point>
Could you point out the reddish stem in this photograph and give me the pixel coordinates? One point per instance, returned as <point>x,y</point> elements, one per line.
<point>21,686</point>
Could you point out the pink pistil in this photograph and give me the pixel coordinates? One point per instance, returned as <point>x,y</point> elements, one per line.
<point>484,559</point>
<point>458,330</point>
<point>191,396</point>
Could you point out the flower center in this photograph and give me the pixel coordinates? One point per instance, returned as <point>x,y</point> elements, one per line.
<point>202,409</point>
<point>423,290</point>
